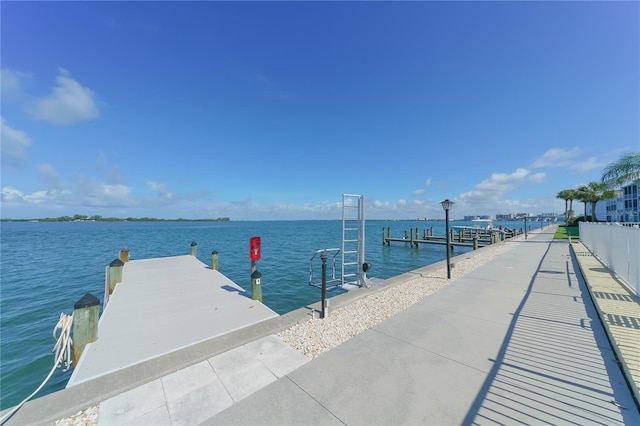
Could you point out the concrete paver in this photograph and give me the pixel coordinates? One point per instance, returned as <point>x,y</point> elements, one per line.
<point>194,394</point>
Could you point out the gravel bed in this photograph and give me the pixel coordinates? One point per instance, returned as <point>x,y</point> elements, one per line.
<point>316,336</point>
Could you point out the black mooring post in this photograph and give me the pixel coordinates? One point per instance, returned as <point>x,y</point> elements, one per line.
<point>323,256</point>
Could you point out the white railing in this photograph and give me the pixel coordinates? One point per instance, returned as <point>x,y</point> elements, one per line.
<point>616,246</point>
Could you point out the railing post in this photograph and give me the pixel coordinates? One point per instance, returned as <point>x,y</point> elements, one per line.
<point>475,242</point>
<point>323,257</point>
<point>214,260</point>
<point>85,324</point>
<point>115,274</point>
<point>194,249</point>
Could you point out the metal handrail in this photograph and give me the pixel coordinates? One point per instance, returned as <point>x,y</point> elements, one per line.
<point>333,267</point>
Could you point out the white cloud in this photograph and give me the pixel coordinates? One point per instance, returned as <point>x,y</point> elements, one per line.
<point>537,177</point>
<point>69,103</point>
<point>15,144</point>
<point>111,174</point>
<point>557,157</point>
<point>492,193</point>
<point>50,176</point>
<point>418,191</point>
<point>428,182</point>
<point>590,163</point>
<point>13,196</point>
<point>12,84</point>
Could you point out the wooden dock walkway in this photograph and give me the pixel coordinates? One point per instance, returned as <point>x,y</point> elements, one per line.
<point>465,237</point>
<point>160,306</point>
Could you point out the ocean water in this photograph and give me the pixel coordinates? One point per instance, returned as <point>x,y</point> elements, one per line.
<point>45,267</point>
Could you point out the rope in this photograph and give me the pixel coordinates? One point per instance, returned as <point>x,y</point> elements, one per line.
<point>63,357</point>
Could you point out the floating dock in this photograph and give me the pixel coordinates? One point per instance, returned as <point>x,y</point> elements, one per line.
<point>162,305</point>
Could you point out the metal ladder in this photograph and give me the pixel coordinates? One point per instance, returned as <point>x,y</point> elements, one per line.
<point>353,239</point>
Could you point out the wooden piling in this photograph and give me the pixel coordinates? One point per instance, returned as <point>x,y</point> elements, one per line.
<point>115,274</point>
<point>256,285</point>
<point>194,249</point>
<point>214,260</point>
<point>475,242</point>
<point>85,324</point>
<point>124,255</point>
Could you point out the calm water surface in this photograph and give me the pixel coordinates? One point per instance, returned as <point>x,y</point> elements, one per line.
<point>47,266</point>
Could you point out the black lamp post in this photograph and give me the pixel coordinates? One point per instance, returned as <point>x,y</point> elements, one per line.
<point>446,205</point>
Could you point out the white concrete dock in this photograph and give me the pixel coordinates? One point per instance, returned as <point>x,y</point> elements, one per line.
<point>161,306</point>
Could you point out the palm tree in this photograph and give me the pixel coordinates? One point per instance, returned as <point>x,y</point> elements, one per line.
<point>626,169</point>
<point>582,195</point>
<point>571,193</point>
<point>594,192</point>
<point>568,195</point>
<point>563,196</point>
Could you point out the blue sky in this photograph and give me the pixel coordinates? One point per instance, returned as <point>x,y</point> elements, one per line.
<point>272,110</point>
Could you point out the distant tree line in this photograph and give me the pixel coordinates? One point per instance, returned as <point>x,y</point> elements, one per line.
<point>98,218</point>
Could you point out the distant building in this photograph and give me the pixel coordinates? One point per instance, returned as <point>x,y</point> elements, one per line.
<point>509,216</point>
<point>625,207</point>
<point>479,216</point>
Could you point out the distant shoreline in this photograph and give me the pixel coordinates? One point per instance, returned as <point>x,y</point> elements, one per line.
<point>113,219</point>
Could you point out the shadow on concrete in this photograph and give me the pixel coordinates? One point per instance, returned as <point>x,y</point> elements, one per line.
<point>545,372</point>
<point>236,290</point>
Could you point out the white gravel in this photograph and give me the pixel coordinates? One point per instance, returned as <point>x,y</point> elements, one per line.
<point>88,417</point>
<point>316,336</point>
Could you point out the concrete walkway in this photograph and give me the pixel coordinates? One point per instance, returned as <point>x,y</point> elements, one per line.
<point>518,340</point>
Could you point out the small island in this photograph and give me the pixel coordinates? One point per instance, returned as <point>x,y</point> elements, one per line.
<point>98,218</point>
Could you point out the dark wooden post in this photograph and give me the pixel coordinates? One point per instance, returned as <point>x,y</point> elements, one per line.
<point>214,260</point>
<point>115,274</point>
<point>194,249</point>
<point>475,242</point>
<point>124,254</point>
<point>85,324</point>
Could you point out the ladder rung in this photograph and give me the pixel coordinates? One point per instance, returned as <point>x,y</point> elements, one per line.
<point>350,229</point>
<point>350,241</point>
<point>350,263</point>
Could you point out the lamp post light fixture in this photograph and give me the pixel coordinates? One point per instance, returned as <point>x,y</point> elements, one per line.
<point>446,205</point>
